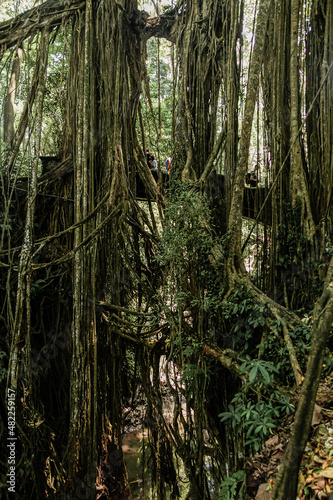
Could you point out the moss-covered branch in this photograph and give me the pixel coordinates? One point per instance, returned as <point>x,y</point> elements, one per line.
<point>50,14</point>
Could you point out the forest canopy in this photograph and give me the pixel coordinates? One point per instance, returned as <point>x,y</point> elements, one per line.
<point>207,287</point>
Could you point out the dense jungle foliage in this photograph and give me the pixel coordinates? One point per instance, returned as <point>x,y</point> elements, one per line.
<point>203,290</point>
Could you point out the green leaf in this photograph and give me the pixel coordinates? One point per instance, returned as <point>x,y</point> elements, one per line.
<point>253,373</point>
<point>249,432</point>
<point>265,374</point>
<point>225,416</point>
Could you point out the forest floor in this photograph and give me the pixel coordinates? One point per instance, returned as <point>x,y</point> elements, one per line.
<point>316,473</point>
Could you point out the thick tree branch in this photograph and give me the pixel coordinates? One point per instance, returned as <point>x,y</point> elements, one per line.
<point>164,26</point>
<point>225,359</point>
<point>49,14</point>
<point>53,12</point>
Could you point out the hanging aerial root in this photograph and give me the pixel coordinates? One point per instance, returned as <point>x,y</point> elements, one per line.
<point>83,243</point>
<point>292,352</point>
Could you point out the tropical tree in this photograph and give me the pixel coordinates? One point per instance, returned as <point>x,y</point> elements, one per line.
<point>101,294</point>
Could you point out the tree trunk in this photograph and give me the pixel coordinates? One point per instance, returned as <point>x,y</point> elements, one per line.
<point>319,72</point>
<point>298,183</point>
<point>235,216</point>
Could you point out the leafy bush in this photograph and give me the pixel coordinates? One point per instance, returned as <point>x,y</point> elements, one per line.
<point>257,418</point>
<point>242,317</point>
<point>230,486</point>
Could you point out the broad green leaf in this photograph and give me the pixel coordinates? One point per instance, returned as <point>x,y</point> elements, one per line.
<point>265,374</point>
<point>253,373</point>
